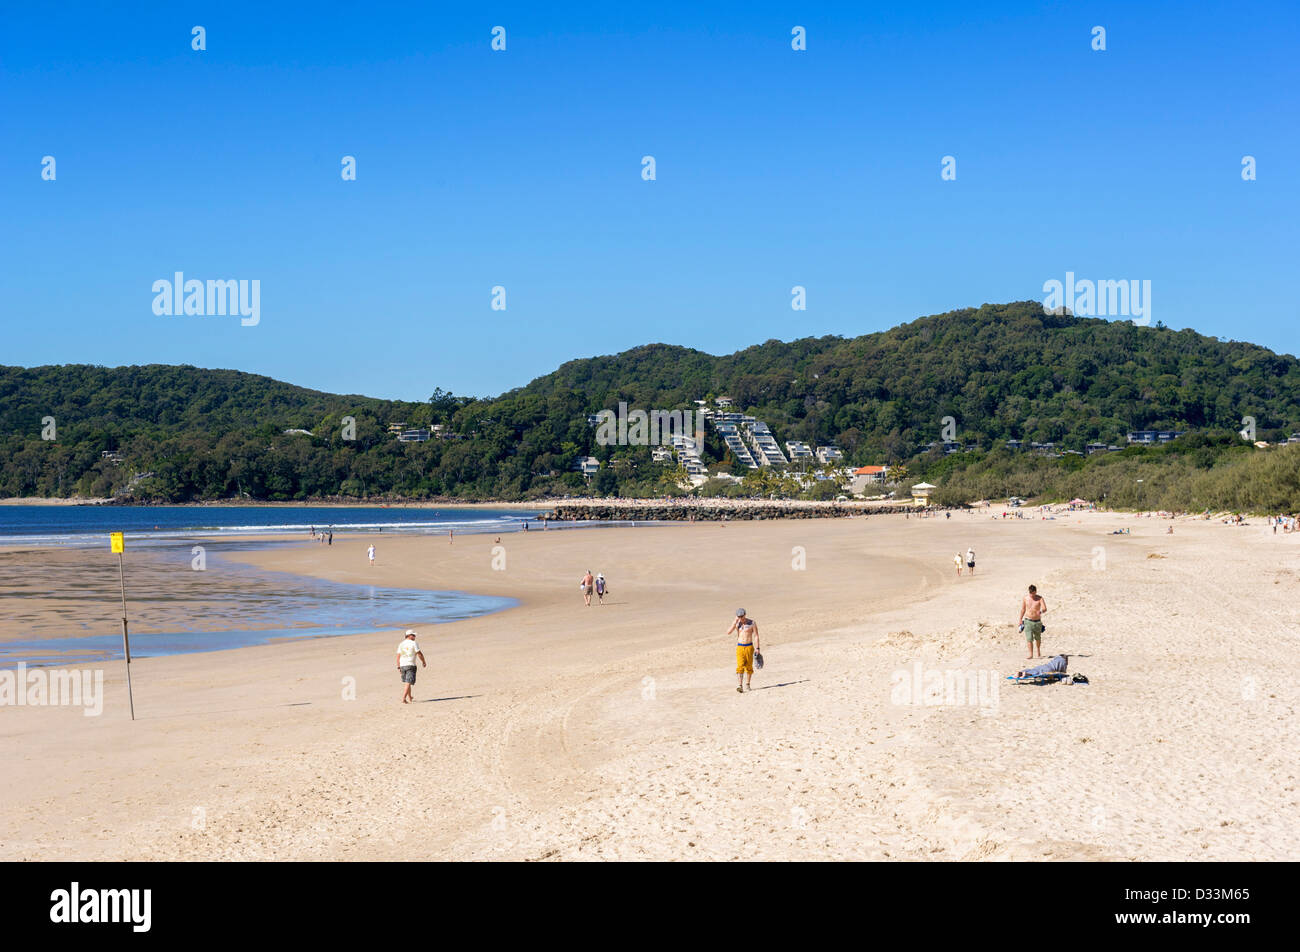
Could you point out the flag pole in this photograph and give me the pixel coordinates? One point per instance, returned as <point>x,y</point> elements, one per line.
<point>118,547</point>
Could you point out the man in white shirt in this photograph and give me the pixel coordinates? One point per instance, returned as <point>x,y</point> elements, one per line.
<point>407,651</point>
<point>371,553</point>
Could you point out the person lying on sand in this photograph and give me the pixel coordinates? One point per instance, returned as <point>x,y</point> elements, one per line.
<point>1056,666</point>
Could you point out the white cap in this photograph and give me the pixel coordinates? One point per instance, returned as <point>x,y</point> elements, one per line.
<point>410,631</point>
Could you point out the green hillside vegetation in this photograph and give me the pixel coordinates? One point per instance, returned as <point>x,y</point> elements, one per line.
<point>1215,471</point>
<point>1001,372</point>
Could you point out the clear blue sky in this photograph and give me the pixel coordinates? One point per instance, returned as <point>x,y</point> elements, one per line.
<point>523,169</point>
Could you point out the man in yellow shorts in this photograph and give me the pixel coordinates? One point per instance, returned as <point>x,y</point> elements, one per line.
<point>746,631</point>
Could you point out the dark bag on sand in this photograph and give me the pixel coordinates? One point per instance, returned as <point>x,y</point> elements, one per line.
<point>758,660</point>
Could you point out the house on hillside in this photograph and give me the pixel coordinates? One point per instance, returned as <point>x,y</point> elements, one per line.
<point>865,476</point>
<point>798,450</point>
<point>948,446</point>
<point>1150,437</point>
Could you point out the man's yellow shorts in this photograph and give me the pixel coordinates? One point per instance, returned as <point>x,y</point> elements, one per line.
<point>744,659</point>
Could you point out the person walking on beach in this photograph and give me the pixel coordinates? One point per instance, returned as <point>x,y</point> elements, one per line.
<point>1032,607</point>
<point>587,584</point>
<point>371,554</point>
<point>408,649</point>
<point>746,631</point>
<point>600,587</point>
<point>970,560</point>
<point>331,538</point>
<point>956,560</point>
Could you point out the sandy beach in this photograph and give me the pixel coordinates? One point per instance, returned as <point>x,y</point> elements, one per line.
<point>557,731</point>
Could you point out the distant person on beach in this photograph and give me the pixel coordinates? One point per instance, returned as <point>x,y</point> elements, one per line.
<point>600,587</point>
<point>956,560</point>
<point>450,533</point>
<point>371,554</point>
<point>746,631</point>
<point>587,584</point>
<point>970,560</point>
<point>1032,607</point>
<point>407,651</point>
<point>313,532</point>
<point>331,538</point>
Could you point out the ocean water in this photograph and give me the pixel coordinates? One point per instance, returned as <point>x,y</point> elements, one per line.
<point>148,525</point>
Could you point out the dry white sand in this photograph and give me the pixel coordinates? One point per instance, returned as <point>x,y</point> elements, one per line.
<point>556,731</point>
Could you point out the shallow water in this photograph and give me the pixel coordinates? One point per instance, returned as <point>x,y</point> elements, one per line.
<point>60,606</point>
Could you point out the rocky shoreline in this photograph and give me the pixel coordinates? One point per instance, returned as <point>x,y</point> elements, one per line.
<point>718,511</point>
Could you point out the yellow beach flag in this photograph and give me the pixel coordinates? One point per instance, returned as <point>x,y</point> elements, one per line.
<point>117,543</point>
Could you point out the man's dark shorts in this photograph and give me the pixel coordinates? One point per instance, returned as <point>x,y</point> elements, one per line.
<point>408,674</point>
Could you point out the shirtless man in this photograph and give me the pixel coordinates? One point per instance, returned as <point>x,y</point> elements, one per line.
<point>587,583</point>
<point>746,631</point>
<point>1032,607</point>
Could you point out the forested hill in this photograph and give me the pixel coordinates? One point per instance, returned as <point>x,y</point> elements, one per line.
<point>165,399</point>
<point>1001,371</point>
